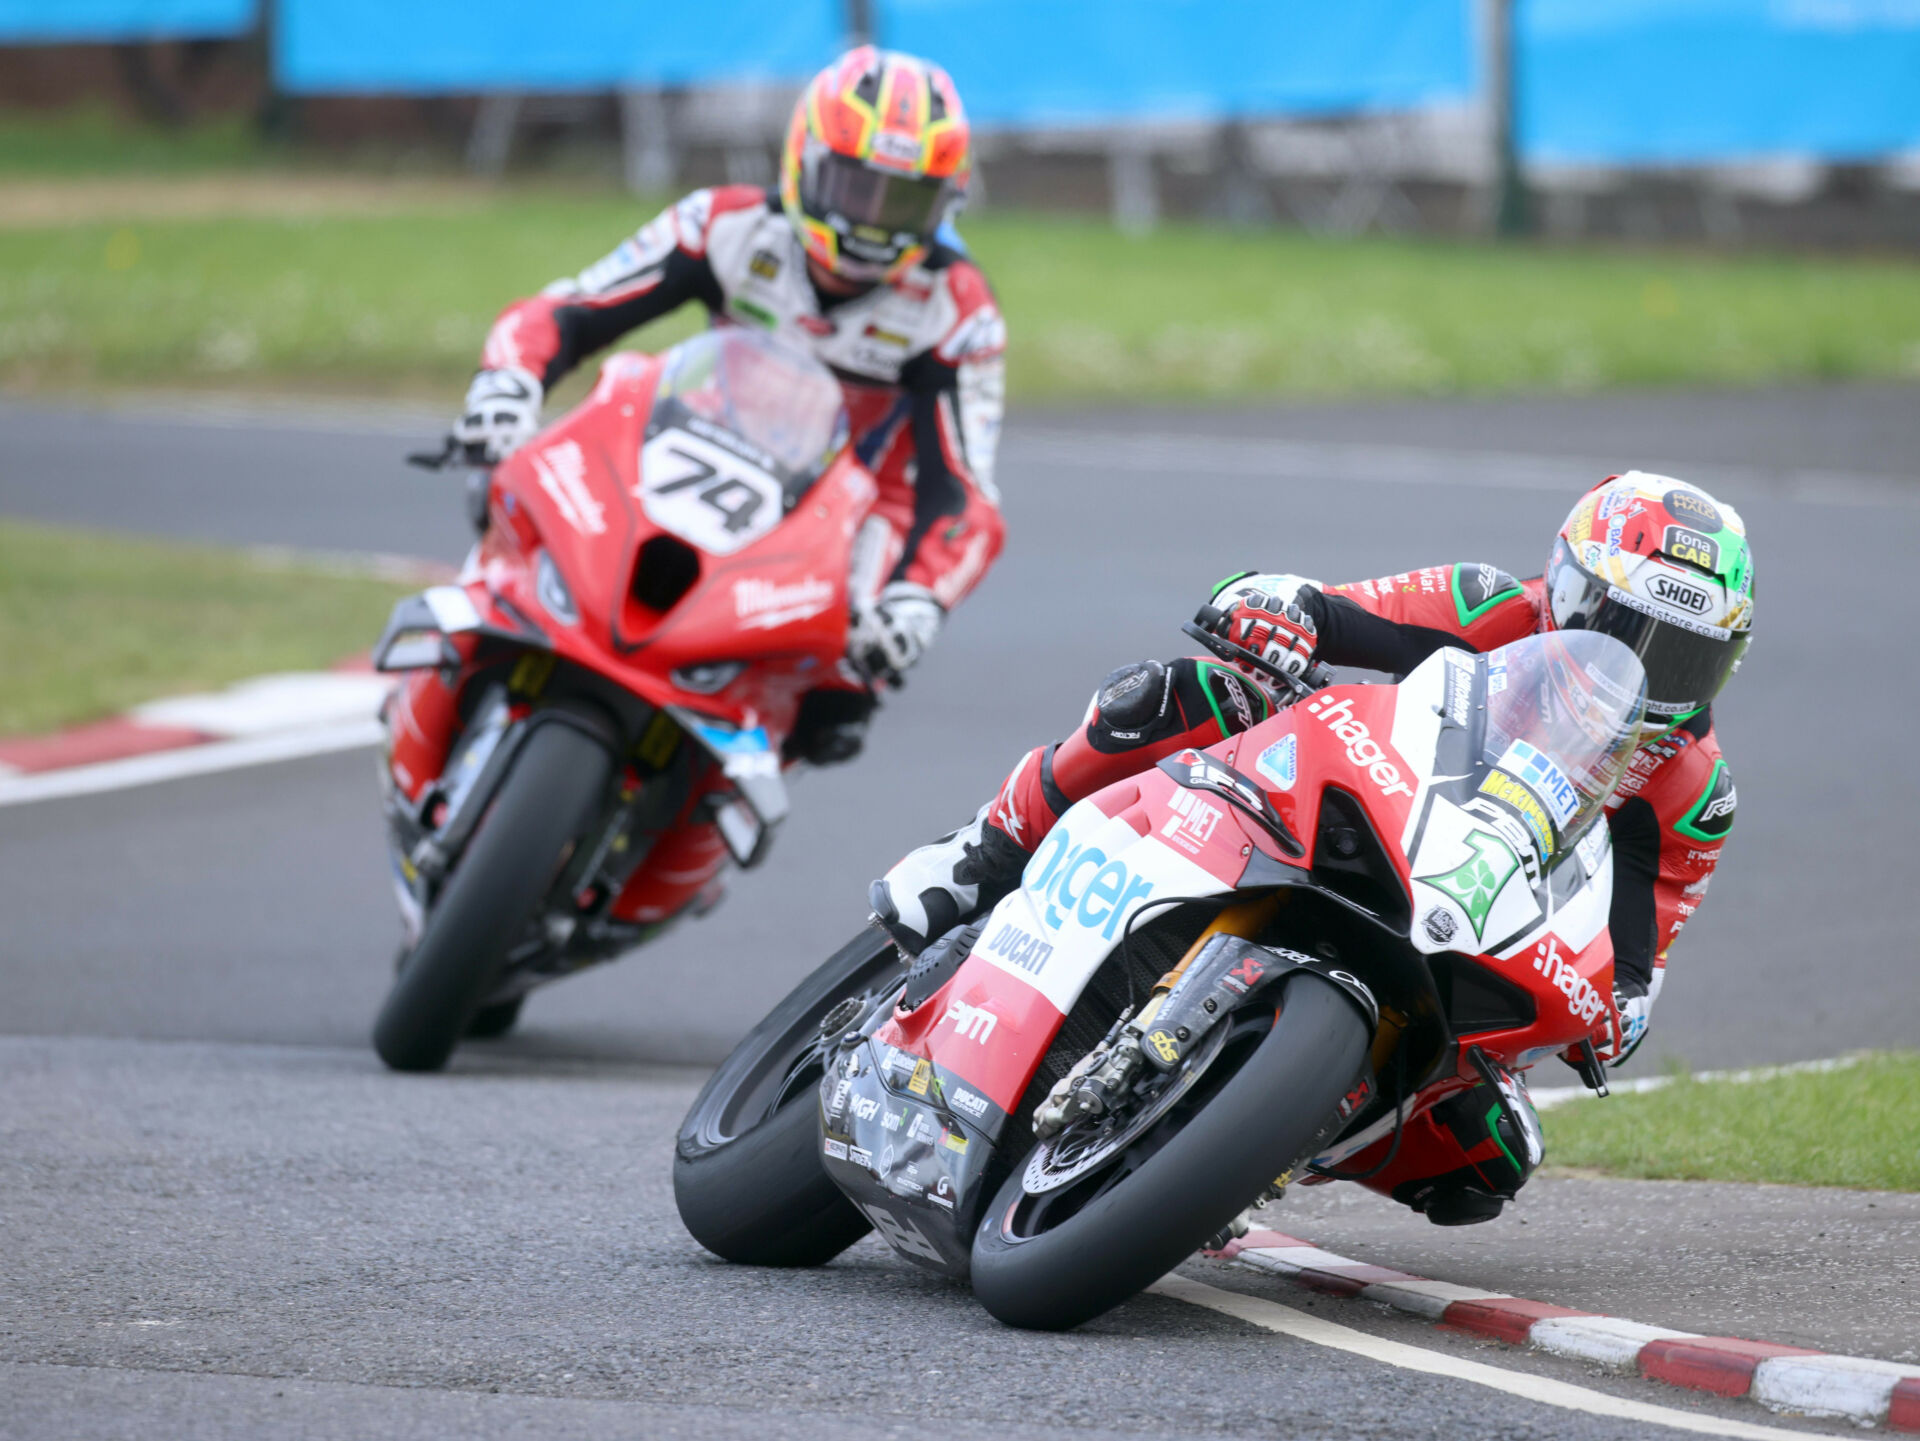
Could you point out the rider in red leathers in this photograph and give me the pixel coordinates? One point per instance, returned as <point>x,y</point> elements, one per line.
<point>853,258</point>
<point>1653,561</point>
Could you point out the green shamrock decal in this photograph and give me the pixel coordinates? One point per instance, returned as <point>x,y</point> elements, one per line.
<point>1477,880</point>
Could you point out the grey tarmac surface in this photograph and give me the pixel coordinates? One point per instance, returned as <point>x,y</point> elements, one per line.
<point>286,1211</point>
<point>251,906</point>
<point>1832,1270</point>
<point>191,1228</point>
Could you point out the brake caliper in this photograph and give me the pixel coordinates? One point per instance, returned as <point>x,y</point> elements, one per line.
<point>1096,1082</point>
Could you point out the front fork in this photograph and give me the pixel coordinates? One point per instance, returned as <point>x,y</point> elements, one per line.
<point>603,879</point>
<point>1106,1074</point>
<point>428,831</point>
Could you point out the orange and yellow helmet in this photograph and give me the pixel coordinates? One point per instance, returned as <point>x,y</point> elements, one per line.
<point>877,158</point>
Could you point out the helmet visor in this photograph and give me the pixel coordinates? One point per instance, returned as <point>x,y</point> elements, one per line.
<point>1686,660</point>
<point>837,187</point>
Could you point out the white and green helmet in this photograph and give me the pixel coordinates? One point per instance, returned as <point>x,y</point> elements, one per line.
<point>1663,567</point>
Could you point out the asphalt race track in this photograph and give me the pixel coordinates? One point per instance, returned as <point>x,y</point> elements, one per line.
<point>219,1217</point>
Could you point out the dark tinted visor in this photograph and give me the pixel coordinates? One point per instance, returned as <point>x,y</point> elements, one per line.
<point>1687,661</point>
<point>898,204</point>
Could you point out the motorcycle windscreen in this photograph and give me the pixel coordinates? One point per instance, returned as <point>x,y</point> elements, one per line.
<point>761,390</point>
<point>1552,721</point>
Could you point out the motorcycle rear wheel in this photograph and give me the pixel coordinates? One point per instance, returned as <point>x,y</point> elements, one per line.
<point>747,1173</point>
<point>545,800</point>
<point>1051,1264</point>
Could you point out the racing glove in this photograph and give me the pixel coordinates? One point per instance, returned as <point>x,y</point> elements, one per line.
<point>501,415</point>
<point>1235,588</point>
<point>1621,1027</point>
<point>1632,1009</point>
<point>1273,628</point>
<point>890,636</point>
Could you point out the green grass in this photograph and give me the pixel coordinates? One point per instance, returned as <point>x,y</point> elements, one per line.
<point>1857,1127</point>
<point>91,624</point>
<point>401,301</point>
<point>93,141</point>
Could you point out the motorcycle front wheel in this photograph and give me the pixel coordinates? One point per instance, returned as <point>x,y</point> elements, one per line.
<point>747,1174</point>
<point>1056,1250</point>
<point>545,800</point>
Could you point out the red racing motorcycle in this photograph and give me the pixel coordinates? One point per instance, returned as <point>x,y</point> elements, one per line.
<point>1249,965</point>
<point>597,715</point>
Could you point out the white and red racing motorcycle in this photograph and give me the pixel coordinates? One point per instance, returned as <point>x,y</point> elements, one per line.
<point>1243,965</point>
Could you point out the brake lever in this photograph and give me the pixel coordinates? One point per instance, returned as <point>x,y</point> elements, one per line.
<point>451,454</point>
<point>439,459</point>
<point>1318,677</point>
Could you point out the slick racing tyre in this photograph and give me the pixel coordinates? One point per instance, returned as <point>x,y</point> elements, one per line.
<point>747,1174</point>
<point>1123,1216</point>
<point>490,1023</point>
<point>545,800</point>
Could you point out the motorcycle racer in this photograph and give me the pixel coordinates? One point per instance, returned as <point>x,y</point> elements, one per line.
<point>852,257</point>
<point>1652,561</point>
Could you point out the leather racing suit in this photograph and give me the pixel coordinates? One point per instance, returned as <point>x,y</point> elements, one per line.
<point>920,361</point>
<point>1669,818</point>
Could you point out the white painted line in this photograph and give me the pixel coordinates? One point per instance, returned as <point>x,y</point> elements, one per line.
<point>1550,1096</point>
<point>189,761</point>
<point>240,412</point>
<point>271,704</point>
<point>1165,453</point>
<point>1286,1321</point>
<point>354,564</point>
<point>1850,1386</point>
<point>1606,1340</point>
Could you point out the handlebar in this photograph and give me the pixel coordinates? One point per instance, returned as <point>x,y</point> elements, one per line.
<point>450,455</point>
<point>1200,628</point>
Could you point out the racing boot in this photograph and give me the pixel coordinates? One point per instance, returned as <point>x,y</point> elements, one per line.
<point>954,880</point>
<point>1493,1133</point>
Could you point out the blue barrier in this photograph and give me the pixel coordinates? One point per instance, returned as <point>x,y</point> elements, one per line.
<point>421,46</point>
<point>1687,81</point>
<point>1604,81</point>
<point>1073,62</point>
<point>54,22</point>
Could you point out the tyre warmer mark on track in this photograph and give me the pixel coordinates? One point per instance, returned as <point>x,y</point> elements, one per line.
<point>1783,1378</point>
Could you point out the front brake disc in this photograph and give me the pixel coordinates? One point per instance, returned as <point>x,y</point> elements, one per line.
<point>1071,1153</point>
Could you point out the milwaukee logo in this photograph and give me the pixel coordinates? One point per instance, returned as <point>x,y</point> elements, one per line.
<point>562,473</point>
<point>762,604</point>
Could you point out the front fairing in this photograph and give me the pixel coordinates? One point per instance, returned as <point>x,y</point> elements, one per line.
<point>756,626</point>
<point>913,1116</point>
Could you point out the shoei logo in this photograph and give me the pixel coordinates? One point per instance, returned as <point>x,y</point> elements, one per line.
<point>1681,593</point>
<point>1362,749</point>
<point>1078,883</point>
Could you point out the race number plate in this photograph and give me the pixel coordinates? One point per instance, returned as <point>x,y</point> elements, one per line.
<point>707,495</point>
